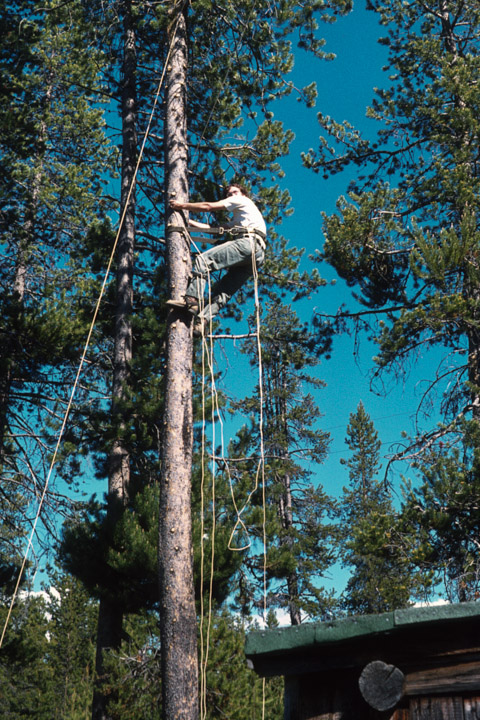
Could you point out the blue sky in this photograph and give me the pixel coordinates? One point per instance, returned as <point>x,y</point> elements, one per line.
<point>345,89</point>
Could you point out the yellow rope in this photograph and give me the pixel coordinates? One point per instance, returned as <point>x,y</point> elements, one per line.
<point>203,707</point>
<point>262,463</point>
<point>260,467</point>
<point>207,359</point>
<point>87,343</point>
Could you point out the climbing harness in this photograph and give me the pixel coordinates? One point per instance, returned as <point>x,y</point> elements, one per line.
<point>259,236</point>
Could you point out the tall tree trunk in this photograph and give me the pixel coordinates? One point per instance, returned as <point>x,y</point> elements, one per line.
<point>474,361</point>
<point>178,626</point>
<point>9,346</point>
<point>110,612</point>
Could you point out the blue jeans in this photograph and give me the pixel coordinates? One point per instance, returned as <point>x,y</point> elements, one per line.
<point>235,256</point>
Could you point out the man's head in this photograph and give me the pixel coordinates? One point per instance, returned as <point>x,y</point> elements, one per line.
<point>236,189</point>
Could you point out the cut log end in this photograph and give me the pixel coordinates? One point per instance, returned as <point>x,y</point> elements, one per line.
<point>381,685</point>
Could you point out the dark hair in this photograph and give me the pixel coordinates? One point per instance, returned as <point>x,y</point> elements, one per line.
<point>241,187</point>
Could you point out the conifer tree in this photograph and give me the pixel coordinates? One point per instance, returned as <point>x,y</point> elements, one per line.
<point>70,653</point>
<point>25,676</point>
<point>52,151</point>
<point>407,238</point>
<point>440,518</point>
<point>47,661</point>
<point>406,235</point>
<point>110,610</point>
<point>276,454</point>
<point>380,579</point>
<point>257,38</point>
<point>232,689</point>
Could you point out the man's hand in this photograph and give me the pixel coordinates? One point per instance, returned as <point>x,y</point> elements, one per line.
<point>176,205</point>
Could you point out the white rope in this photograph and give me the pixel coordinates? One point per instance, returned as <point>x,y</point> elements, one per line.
<point>208,361</point>
<point>87,343</point>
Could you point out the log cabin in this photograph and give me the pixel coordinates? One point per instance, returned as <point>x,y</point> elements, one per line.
<point>420,663</point>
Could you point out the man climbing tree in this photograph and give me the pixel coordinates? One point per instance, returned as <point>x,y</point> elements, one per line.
<point>241,252</point>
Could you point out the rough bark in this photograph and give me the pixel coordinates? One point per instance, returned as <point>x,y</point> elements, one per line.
<point>448,708</point>
<point>119,461</point>
<point>178,625</point>
<point>110,613</point>
<point>8,350</point>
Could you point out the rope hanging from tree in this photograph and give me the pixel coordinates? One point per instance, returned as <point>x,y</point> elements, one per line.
<point>207,362</point>
<point>87,344</point>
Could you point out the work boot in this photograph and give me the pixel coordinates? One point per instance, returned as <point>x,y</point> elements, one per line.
<point>188,303</point>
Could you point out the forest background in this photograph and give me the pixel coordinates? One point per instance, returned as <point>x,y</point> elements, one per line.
<point>345,536</point>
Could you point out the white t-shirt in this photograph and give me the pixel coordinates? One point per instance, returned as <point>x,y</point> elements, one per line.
<point>245,213</point>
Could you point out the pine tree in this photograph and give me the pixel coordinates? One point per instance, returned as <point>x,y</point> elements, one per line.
<point>407,233</point>
<point>297,513</point>
<point>70,655</point>
<point>232,689</point>
<point>48,656</point>
<point>25,677</point>
<point>233,93</point>
<point>440,516</point>
<point>406,237</point>
<point>178,620</point>
<point>119,481</point>
<point>52,151</point>
<point>381,578</point>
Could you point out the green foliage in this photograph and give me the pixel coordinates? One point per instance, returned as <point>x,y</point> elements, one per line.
<point>381,578</point>
<point>407,239</point>
<point>25,678</point>
<point>134,686</point>
<point>407,234</point>
<point>232,690</point>
<point>362,439</point>
<point>442,514</point>
<point>12,539</point>
<point>115,554</point>
<point>52,155</point>
<point>47,658</point>
<point>279,496</point>
<point>70,656</point>
<point>61,77</point>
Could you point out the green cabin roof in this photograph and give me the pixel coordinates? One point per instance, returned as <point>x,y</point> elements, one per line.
<point>277,641</point>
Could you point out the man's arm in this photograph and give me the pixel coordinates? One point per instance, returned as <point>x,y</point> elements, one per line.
<point>206,228</point>
<point>198,206</point>
<point>196,225</point>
